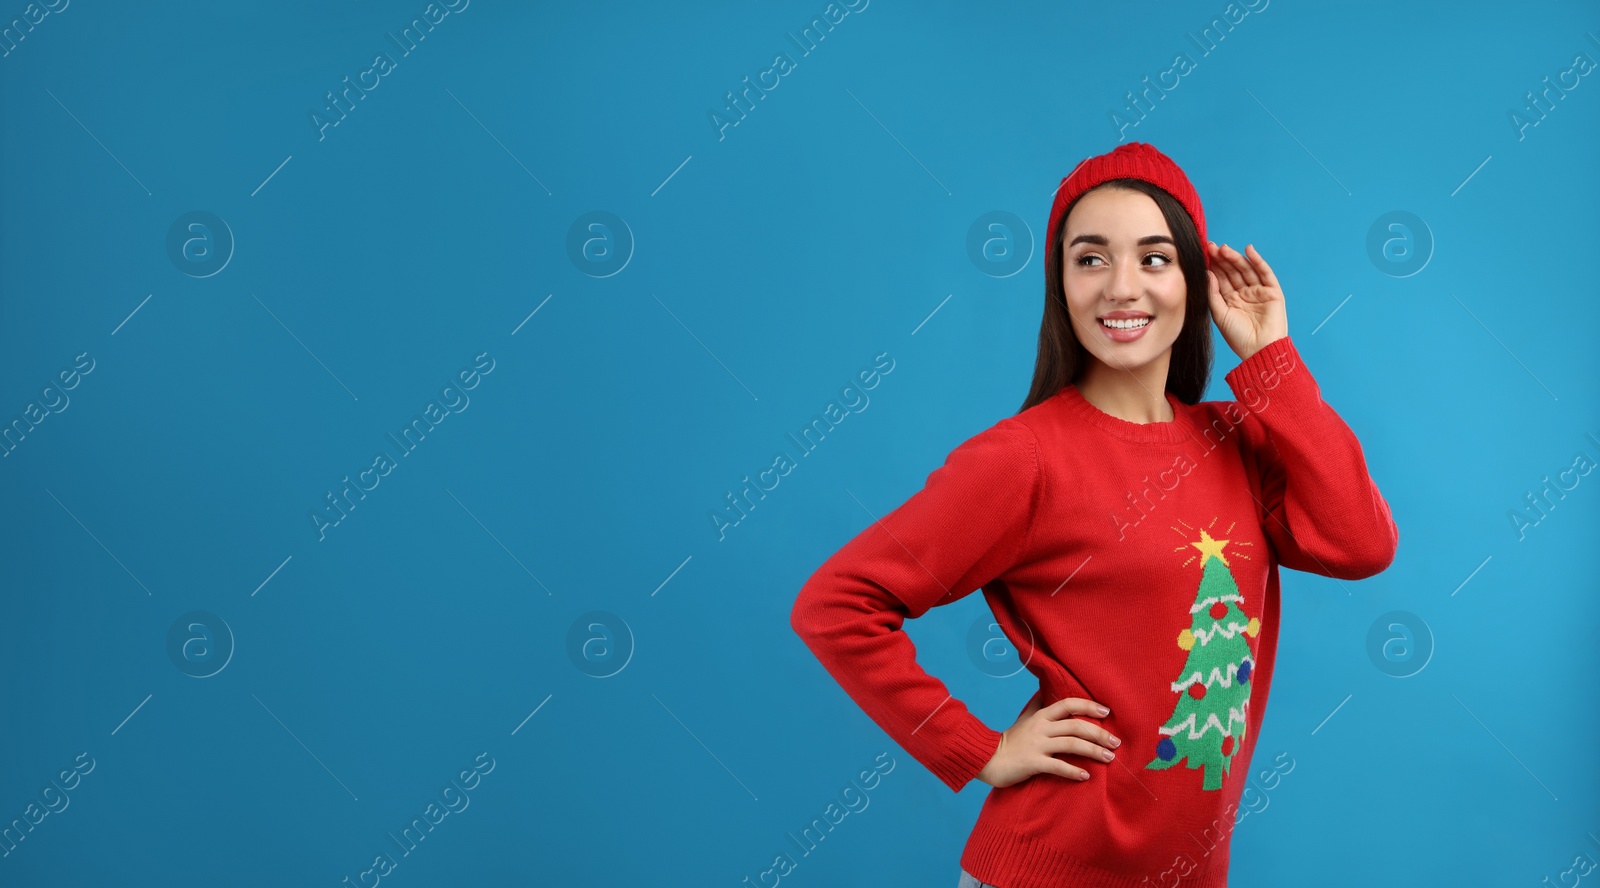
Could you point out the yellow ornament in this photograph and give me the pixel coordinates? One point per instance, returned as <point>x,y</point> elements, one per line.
<point>1253,628</point>
<point>1186,639</point>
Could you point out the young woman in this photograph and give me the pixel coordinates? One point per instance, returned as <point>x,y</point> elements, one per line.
<point>1127,537</point>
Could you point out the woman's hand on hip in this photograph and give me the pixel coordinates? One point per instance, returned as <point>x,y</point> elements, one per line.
<point>1031,745</point>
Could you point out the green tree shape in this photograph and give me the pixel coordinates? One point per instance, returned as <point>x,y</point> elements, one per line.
<point>1217,647</point>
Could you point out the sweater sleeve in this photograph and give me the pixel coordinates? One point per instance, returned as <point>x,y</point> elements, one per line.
<point>1324,514</point>
<point>964,528</point>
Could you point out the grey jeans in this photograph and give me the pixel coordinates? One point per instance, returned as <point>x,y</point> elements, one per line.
<point>968,880</point>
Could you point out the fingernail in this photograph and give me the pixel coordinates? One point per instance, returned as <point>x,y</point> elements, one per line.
<point>1116,741</point>
<point>1103,710</point>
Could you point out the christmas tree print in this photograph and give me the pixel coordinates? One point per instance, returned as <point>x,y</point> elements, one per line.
<point>1208,723</point>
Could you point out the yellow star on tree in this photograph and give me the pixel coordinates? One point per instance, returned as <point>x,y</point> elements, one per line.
<point>1210,547</point>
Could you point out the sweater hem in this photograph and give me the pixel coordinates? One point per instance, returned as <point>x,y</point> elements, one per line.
<point>1002,858</point>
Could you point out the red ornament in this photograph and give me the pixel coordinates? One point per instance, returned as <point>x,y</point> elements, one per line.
<point>1227,745</point>
<point>1197,690</point>
<point>1218,611</point>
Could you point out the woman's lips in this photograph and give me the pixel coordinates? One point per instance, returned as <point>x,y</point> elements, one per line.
<point>1116,335</point>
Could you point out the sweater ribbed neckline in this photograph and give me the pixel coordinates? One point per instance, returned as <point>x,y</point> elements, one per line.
<point>1180,429</point>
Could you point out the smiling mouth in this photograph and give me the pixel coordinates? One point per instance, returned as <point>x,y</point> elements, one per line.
<point>1125,323</point>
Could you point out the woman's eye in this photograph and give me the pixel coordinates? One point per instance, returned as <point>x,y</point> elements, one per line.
<point>1165,259</point>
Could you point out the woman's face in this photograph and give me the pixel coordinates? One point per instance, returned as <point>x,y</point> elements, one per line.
<point>1119,266</point>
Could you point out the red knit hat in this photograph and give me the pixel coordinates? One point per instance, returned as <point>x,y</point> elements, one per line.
<point>1132,160</point>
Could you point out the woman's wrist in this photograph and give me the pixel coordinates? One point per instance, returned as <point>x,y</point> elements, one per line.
<point>992,759</point>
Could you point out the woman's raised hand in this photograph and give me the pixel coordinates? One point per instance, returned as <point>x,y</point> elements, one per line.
<point>1246,302</point>
<point>1031,745</point>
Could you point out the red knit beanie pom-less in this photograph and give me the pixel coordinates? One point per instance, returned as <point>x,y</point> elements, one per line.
<point>1132,160</point>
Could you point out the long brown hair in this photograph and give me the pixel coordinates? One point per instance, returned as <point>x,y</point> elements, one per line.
<point>1062,357</point>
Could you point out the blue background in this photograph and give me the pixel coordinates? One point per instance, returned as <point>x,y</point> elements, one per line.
<point>540,579</point>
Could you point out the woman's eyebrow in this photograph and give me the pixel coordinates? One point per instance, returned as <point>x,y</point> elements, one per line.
<point>1101,240</point>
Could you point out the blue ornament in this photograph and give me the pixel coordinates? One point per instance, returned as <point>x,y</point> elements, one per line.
<point>1244,671</point>
<point>1166,749</point>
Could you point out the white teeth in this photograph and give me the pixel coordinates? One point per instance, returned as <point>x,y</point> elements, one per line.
<point>1125,324</point>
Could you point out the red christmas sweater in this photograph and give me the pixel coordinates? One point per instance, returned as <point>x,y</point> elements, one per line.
<point>1131,564</point>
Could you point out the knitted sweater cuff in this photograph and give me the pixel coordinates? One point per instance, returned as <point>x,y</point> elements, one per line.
<point>967,750</point>
<point>1274,368</point>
